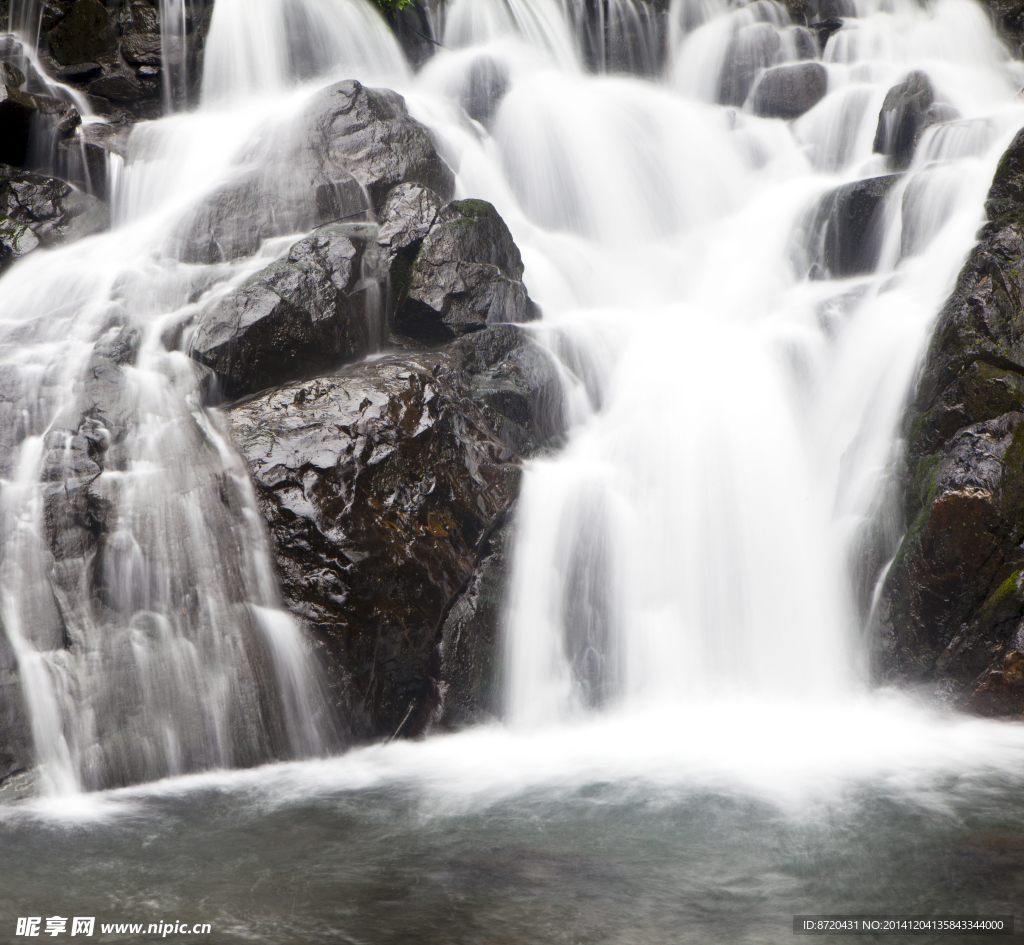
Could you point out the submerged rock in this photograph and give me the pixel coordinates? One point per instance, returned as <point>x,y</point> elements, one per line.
<point>42,211</point>
<point>753,48</point>
<point>789,91</point>
<point>953,600</point>
<point>298,316</point>
<point>383,486</point>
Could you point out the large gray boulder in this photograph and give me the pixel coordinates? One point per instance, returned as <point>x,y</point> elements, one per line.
<point>909,108</point>
<point>295,318</point>
<point>789,91</point>
<point>844,231</point>
<point>451,270</point>
<point>383,486</point>
<point>336,161</point>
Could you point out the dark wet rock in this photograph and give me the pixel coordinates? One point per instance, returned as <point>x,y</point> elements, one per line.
<point>953,600</point>
<point>806,42</point>
<point>125,86</point>
<point>470,648</point>
<point>1008,16</point>
<point>384,486</point>
<point>369,134</point>
<point>113,53</point>
<point>753,48</point>
<point>789,91</point>
<point>301,315</point>
<point>466,272</point>
<point>409,212</point>
<point>23,115</point>
<point>84,35</point>
<point>15,733</point>
<point>413,27</point>
<point>42,211</point>
<point>486,83</point>
<point>836,9</point>
<point>825,29</point>
<point>905,114</point>
<point>338,161</point>
<point>845,230</point>
<point>11,75</point>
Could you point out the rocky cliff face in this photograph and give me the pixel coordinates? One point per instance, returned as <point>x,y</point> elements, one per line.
<point>951,611</point>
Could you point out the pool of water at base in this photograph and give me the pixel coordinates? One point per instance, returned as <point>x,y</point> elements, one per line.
<point>511,838</point>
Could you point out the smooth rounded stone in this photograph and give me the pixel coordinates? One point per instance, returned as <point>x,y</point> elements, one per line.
<point>466,275</point>
<point>805,42</point>
<point>298,316</point>
<point>753,48</point>
<point>84,35</point>
<point>484,86</point>
<point>844,231</point>
<point>336,161</point>
<point>904,115</point>
<point>383,485</point>
<point>43,211</point>
<point>22,115</point>
<point>789,91</point>
<point>951,612</point>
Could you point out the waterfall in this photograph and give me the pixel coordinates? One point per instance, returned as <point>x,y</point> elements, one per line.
<point>155,644</point>
<point>735,396</point>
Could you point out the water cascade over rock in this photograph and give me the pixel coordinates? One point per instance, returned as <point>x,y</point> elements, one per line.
<point>519,386</point>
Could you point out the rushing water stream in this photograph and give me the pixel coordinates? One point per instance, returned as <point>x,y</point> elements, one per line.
<point>690,751</point>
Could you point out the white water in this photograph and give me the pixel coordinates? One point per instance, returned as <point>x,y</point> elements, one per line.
<point>734,421</point>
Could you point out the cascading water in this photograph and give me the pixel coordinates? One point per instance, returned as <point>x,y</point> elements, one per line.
<point>736,426</point>
<point>690,751</point>
<point>158,649</point>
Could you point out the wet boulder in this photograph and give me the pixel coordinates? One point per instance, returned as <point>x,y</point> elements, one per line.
<point>336,161</point>
<point>383,486</point>
<point>753,48</point>
<point>369,135</point>
<point>789,91</point>
<point>22,115</point>
<point>906,112</point>
<point>85,34</point>
<point>951,612</point>
<point>485,85</point>
<point>845,229</point>
<point>466,274</point>
<point>303,314</point>
<point>114,53</point>
<point>42,211</point>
